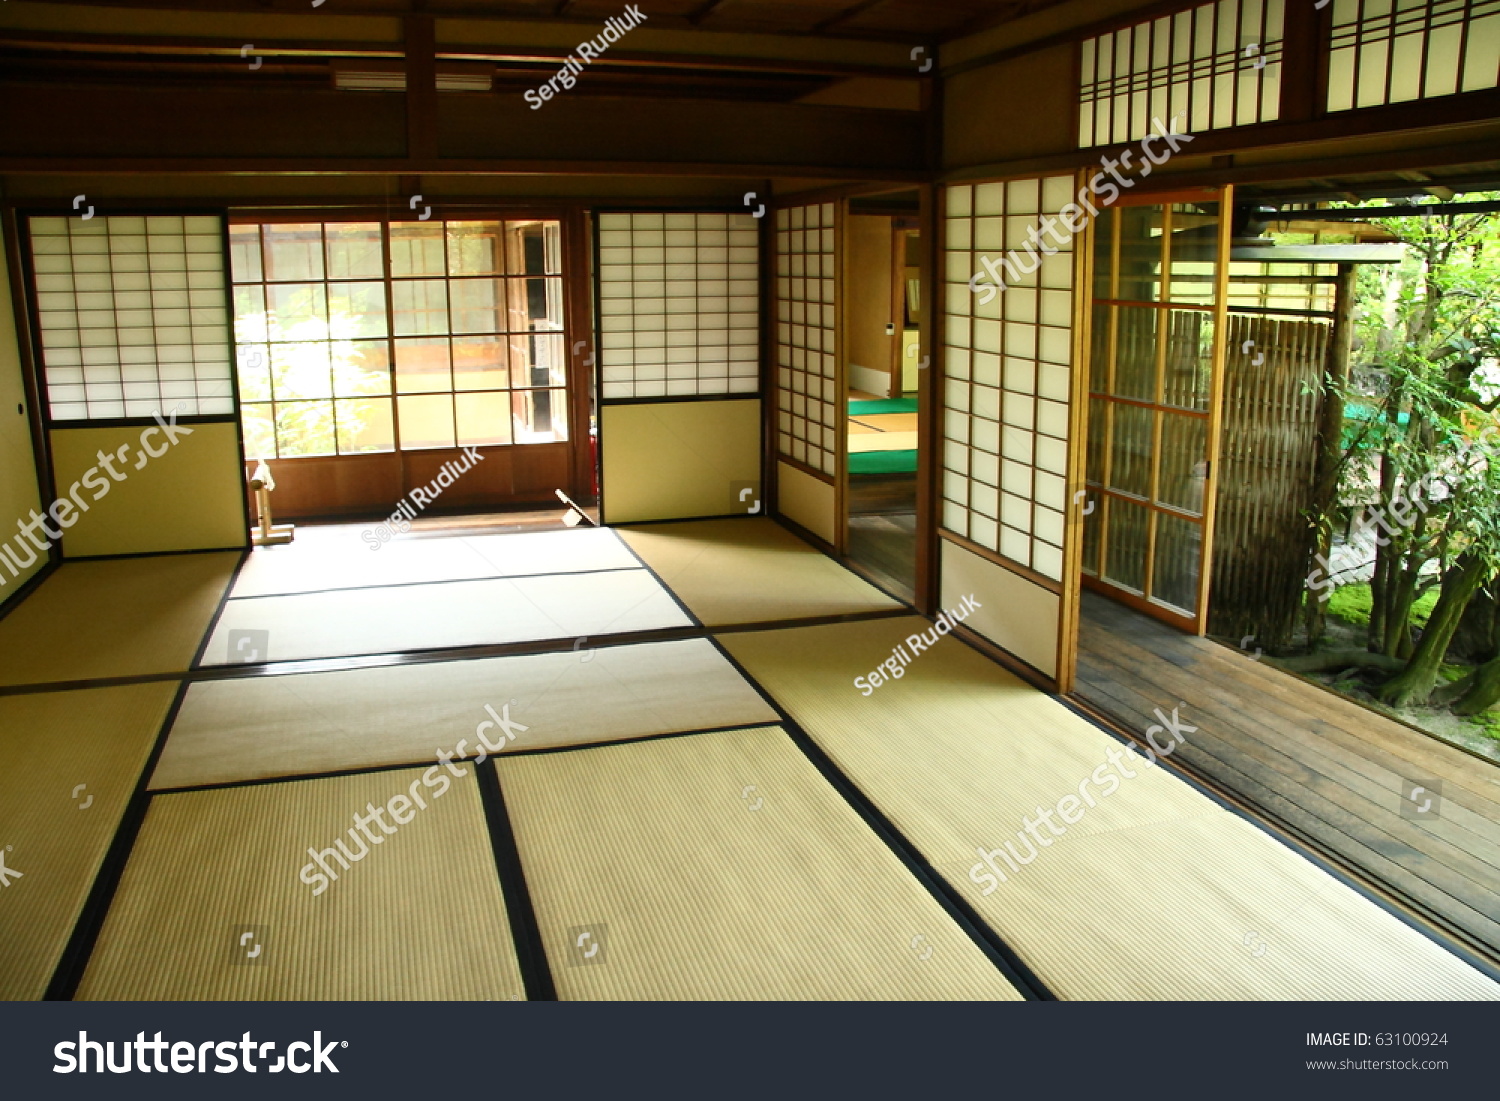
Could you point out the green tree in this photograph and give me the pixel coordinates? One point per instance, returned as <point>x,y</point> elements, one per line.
<point>1429,326</point>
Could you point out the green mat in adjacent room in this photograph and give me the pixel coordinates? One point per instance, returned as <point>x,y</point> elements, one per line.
<point>883,405</point>
<point>883,462</point>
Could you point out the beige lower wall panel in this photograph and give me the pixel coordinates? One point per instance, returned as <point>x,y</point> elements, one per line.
<point>806,500</point>
<point>869,380</point>
<point>1015,614</point>
<point>188,498</point>
<point>676,460</point>
<point>18,485</point>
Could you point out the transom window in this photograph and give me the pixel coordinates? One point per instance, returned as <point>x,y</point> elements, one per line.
<point>359,337</point>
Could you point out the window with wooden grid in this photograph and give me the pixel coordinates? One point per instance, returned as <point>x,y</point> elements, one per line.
<point>1395,51</point>
<point>367,336</point>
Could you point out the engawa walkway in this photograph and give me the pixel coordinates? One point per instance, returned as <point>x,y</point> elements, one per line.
<point>1328,768</point>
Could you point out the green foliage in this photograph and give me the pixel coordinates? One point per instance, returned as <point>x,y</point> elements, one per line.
<point>1488,724</point>
<point>1421,459</point>
<point>1353,603</point>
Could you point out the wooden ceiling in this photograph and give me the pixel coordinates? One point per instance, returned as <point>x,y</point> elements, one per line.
<point>1395,185</point>
<point>915,21</point>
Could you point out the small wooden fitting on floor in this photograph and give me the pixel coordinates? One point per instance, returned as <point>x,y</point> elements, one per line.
<point>267,534</point>
<point>575,514</point>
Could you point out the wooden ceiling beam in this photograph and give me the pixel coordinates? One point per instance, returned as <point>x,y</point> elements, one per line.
<point>129,44</point>
<point>848,13</point>
<point>366,166</point>
<point>554,56</point>
<point>560,12</point>
<point>703,11</point>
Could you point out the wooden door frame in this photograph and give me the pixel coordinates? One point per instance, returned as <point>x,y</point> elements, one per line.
<point>1197,623</point>
<point>572,219</point>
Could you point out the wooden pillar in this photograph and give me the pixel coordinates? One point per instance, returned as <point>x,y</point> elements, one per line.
<point>421,88</point>
<point>582,350</point>
<point>929,403</point>
<point>1331,428</point>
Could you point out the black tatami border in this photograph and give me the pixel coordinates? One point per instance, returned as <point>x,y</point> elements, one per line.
<point>426,762</point>
<point>90,923</point>
<point>989,941</point>
<point>525,930</point>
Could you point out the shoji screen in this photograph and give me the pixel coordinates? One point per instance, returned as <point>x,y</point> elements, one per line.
<point>679,305</point>
<point>1392,51</point>
<point>1007,394</point>
<point>808,418</point>
<point>679,364</point>
<point>1211,67</point>
<point>133,315</point>
<point>133,322</point>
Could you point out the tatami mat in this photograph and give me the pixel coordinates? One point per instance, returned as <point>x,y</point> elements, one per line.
<point>750,571</point>
<point>322,722</point>
<point>888,422</point>
<point>114,618</point>
<point>1210,908</point>
<point>461,613</point>
<point>69,762</point>
<point>215,874</point>
<point>723,866</point>
<point>882,441</point>
<point>1155,892</point>
<point>340,557</point>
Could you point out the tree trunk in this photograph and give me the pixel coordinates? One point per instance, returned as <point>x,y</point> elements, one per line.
<point>1484,690</point>
<point>1380,587</point>
<point>1324,660</point>
<point>1414,684</point>
<point>1401,595</point>
<point>1478,636</point>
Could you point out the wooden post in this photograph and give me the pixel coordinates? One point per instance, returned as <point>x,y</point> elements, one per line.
<point>1331,431</point>
<point>261,482</point>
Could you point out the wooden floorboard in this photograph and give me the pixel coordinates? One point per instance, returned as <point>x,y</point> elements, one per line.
<point>1270,734</point>
<point>1327,767</point>
<point>1419,847</point>
<point>1360,730</point>
<point>1126,707</point>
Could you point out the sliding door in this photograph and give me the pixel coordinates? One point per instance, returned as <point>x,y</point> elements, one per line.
<point>371,353</point>
<point>1154,394</point>
<point>1008,403</point>
<point>679,371</point>
<point>810,410</point>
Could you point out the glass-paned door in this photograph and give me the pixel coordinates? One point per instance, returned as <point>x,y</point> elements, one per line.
<point>376,336</point>
<point>1154,384</point>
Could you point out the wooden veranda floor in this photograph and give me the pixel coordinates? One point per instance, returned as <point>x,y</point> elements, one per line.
<point>1333,772</point>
